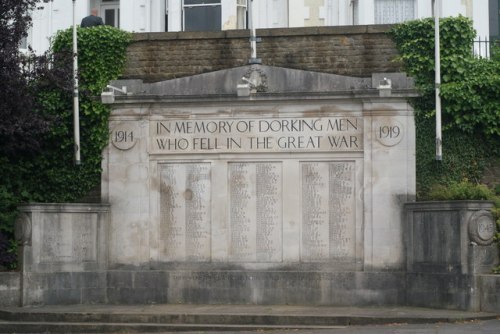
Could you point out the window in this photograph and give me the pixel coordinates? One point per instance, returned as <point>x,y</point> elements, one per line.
<point>110,12</point>
<point>202,15</point>
<point>394,11</point>
<point>241,14</point>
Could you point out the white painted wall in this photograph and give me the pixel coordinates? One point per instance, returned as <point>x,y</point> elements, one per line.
<point>149,15</point>
<point>480,17</point>
<point>424,8</point>
<point>366,11</point>
<point>296,17</point>
<point>272,13</point>
<point>56,15</point>
<point>452,7</point>
<point>174,15</point>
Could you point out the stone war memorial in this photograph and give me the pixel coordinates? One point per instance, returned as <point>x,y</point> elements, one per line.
<point>259,184</point>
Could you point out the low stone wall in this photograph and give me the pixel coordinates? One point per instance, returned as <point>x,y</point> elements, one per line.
<point>63,253</point>
<point>10,288</point>
<point>490,293</point>
<point>352,50</point>
<point>449,247</point>
<point>57,272</point>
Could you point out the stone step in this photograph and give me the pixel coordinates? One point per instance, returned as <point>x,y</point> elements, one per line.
<point>97,327</point>
<point>161,318</point>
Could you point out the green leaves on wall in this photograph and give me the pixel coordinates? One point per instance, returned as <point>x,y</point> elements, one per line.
<point>470,93</point>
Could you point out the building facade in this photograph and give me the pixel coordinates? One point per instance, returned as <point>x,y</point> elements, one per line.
<point>206,15</point>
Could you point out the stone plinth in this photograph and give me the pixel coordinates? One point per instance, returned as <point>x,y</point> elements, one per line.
<point>63,253</point>
<point>219,198</point>
<point>449,245</point>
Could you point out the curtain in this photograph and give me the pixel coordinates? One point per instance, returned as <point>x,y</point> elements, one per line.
<point>394,11</point>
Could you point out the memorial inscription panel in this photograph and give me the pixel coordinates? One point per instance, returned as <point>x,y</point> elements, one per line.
<point>301,134</point>
<point>252,227</point>
<point>255,211</point>
<point>185,218</point>
<point>328,211</point>
<point>65,241</point>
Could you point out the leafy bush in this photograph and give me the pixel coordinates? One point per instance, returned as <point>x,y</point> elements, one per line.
<point>462,191</point>
<point>471,110</point>
<point>469,91</point>
<point>51,176</point>
<point>7,251</point>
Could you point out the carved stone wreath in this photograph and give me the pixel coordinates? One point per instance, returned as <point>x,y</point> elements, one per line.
<point>482,228</point>
<point>23,229</point>
<point>257,79</point>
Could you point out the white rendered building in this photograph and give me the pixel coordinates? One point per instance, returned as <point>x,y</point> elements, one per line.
<point>192,15</point>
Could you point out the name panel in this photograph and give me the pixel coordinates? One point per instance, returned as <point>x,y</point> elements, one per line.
<point>185,215</point>
<point>64,240</point>
<point>255,211</point>
<point>328,211</point>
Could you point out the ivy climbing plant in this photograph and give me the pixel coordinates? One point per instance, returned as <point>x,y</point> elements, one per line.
<point>52,176</point>
<point>469,91</point>
<point>101,58</point>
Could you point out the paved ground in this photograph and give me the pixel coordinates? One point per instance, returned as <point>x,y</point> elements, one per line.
<point>471,327</point>
<point>244,319</point>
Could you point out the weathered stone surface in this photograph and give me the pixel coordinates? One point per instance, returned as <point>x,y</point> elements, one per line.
<point>442,290</point>
<point>354,51</point>
<point>259,287</point>
<point>10,288</point>
<point>65,255</point>
<point>490,293</point>
<point>450,237</point>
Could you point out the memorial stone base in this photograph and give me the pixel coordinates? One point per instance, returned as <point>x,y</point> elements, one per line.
<point>255,185</point>
<point>259,185</point>
<point>287,287</point>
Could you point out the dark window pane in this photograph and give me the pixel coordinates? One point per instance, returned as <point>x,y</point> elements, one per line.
<point>199,2</point>
<point>202,18</point>
<point>109,17</point>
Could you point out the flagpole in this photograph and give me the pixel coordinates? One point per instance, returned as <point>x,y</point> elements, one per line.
<point>253,36</point>
<point>437,57</point>
<point>76,106</point>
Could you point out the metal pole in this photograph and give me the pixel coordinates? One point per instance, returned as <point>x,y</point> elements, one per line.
<point>76,106</point>
<point>437,57</point>
<point>253,37</point>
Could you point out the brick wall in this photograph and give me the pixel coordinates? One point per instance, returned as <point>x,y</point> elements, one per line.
<point>351,50</point>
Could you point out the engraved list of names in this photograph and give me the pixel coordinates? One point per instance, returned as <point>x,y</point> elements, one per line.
<point>255,211</point>
<point>328,211</point>
<point>185,212</point>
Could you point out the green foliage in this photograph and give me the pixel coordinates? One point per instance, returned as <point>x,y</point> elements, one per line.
<point>496,214</point>
<point>52,176</point>
<point>495,50</point>
<point>101,57</point>
<point>470,86</point>
<point>464,156</point>
<point>469,91</point>
<point>463,190</point>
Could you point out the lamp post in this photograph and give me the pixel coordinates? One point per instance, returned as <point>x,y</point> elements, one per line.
<point>437,59</point>
<point>76,106</point>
